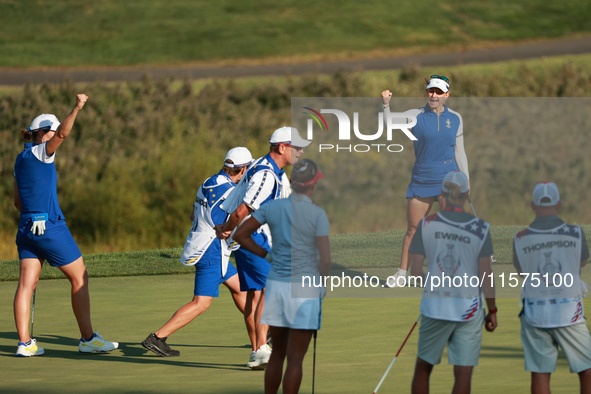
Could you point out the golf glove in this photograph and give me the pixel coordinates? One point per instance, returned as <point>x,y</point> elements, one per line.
<point>38,227</point>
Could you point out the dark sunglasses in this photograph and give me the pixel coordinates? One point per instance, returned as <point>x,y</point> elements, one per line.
<point>43,129</point>
<point>297,148</point>
<point>442,77</point>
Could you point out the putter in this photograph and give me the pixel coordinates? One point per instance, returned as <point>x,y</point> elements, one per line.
<point>314,361</point>
<point>33,311</point>
<point>396,356</point>
<point>470,201</point>
<point>492,256</point>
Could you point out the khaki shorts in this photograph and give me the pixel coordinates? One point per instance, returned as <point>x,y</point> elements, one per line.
<point>540,346</point>
<point>463,340</point>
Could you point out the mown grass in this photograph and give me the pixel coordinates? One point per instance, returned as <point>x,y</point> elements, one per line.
<point>373,251</point>
<point>358,339</point>
<point>70,33</point>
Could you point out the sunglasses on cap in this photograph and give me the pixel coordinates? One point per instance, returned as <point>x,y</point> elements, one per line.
<point>442,77</point>
<point>43,129</point>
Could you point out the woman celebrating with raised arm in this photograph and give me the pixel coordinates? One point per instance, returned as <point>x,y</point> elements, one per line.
<point>43,234</point>
<point>439,149</point>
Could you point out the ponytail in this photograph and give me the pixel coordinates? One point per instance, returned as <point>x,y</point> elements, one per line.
<point>27,135</point>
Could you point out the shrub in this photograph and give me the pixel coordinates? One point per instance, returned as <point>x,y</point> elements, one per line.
<point>130,170</point>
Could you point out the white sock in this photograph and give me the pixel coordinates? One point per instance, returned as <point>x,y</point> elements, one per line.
<point>402,272</point>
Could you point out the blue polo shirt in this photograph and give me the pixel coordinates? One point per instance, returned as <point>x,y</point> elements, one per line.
<point>295,222</point>
<point>436,135</point>
<point>36,180</point>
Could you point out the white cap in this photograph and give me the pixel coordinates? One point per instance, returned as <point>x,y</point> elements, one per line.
<point>438,83</point>
<point>45,121</point>
<point>547,190</point>
<point>290,136</point>
<point>240,157</point>
<point>457,178</point>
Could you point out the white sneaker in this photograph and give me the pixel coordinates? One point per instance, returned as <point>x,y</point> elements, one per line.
<point>29,350</point>
<point>393,281</point>
<point>260,358</point>
<point>96,344</point>
<point>251,361</point>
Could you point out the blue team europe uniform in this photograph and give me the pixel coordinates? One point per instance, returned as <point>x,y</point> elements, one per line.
<point>36,180</point>
<point>202,249</point>
<point>434,150</point>
<point>264,181</point>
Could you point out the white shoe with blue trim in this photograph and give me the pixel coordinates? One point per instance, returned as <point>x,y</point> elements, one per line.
<point>29,349</point>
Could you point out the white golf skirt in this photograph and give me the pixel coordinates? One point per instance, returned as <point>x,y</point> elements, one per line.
<point>281,310</point>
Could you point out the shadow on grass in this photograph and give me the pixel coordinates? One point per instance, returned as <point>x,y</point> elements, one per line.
<point>501,351</point>
<point>507,352</point>
<point>127,352</point>
<point>339,270</point>
<point>247,346</point>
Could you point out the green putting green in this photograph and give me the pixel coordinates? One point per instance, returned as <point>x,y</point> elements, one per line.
<point>358,340</point>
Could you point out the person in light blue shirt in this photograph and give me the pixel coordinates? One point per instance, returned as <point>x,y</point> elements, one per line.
<point>300,249</point>
<point>439,149</point>
<point>43,234</point>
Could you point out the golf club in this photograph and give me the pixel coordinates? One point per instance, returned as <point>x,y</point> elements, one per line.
<point>470,201</point>
<point>396,356</point>
<point>33,311</point>
<point>314,362</point>
<point>492,256</point>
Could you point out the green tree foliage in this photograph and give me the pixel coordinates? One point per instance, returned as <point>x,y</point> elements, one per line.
<point>129,172</point>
